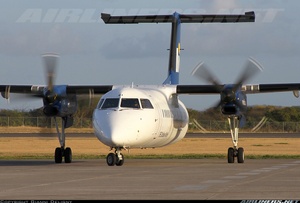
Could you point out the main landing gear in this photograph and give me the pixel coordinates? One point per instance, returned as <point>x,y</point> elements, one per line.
<point>234,122</point>
<point>116,158</point>
<point>61,151</point>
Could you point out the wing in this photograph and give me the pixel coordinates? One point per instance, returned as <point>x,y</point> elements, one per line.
<point>248,88</point>
<point>62,90</point>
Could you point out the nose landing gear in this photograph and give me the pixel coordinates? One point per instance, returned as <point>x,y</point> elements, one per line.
<point>116,158</point>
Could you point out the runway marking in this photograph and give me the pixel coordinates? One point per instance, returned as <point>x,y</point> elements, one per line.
<point>258,171</point>
<point>281,166</point>
<point>237,176</point>
<point>193,187</point>
<point>290,164</point>
<point>51,183</point>
<point>215,181</point>
<point>271,168</point>
<point>247,173</point>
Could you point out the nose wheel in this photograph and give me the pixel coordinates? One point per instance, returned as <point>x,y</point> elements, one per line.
<point>238,153</point>
<point>116,158</point>
<point>234,151</point>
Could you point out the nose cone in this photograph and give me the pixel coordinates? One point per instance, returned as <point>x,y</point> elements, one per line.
<point>116,128</point>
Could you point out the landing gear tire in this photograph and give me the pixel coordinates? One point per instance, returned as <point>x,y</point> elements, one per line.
<point>111,159</point>
<point>240,155</point>
<point>230,155</point>
<point>62,152</point>
<point>68,155</point>
<point>120,162</point>
<point>58,155</point>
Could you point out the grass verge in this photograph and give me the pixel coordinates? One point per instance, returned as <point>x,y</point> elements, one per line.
<point>151,156</point>
<point>187,148</point>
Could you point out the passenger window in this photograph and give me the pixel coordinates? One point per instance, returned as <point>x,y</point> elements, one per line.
<point>130,103</point>
<point>146,104</point>
<point>110,103</point>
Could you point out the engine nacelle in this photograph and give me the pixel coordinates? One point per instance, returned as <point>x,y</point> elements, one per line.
<point>61,107</point>
<point>68,106</point>
<point>233,101</point>
<point>229,109</point>
<point>237,107</point>
<point>50,110</point>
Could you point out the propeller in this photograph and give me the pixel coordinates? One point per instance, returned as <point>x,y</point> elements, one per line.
<point>228,91</point>
<point>50,62</point>
<point>252,67</point>
<point>202,72</point>
<point>50,96</point>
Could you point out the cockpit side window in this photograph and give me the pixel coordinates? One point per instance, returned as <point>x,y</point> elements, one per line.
<point>100,103</point>
<point>146,104</point>
<point>130,103</point>
<point>110,103</point>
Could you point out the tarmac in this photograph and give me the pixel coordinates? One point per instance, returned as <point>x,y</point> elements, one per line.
<point>150,179</point>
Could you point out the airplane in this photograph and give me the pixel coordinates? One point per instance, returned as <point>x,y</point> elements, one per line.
<point>147,116</point>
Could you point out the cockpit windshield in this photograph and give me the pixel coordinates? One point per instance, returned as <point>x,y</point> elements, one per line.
<point>110,103</point>
<point>130,103</point>
<point>134,103</point>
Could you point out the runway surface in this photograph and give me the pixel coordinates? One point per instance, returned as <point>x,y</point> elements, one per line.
<point>154,179</point>
<point>151,179</point>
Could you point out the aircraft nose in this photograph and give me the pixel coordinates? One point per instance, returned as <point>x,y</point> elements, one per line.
<point>116,129</point>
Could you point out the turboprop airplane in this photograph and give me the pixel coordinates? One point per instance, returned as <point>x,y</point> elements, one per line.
<point>147,116</point>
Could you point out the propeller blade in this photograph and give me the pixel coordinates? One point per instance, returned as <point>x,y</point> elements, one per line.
<point>252,67</point>
<point>202,72</point>
<point>50,62</point>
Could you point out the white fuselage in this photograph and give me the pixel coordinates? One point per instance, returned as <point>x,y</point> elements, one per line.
<point>159,119</point>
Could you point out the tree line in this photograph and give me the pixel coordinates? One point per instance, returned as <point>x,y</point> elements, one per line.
<point>254,113</point>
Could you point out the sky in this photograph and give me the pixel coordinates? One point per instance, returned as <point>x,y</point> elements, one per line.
<point>92,52</point>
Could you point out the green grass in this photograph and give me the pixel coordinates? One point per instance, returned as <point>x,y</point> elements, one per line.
<point>163,156</point>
